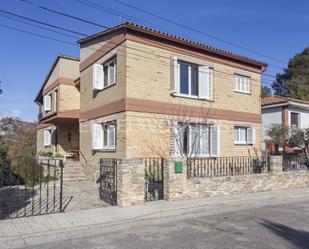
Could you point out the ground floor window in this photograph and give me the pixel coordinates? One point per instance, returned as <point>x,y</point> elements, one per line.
<point>194,139</point>
<point>244,135</point>
<point>47,137</point>
<point>104,136</point>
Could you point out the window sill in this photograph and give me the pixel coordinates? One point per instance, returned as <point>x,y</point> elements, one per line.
<point>247,93</point>
<point>104,88</point>
<point>242,144</point>
<point>104,150</point>
<point>190,97</point>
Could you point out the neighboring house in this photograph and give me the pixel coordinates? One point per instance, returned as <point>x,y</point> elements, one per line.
<point>285,111</point>
<point>58,100</point>
<point>133,79</point>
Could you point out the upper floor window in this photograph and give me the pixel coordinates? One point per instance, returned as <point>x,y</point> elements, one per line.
<point>47,102</point>
<point>104,75</point>
<point>104,136</point>
<point>294,119</point>
<point>244,135</point>
<point>242,83</point>
<point>192,80</point>
<point>188,79</point>
<point>109,69</point>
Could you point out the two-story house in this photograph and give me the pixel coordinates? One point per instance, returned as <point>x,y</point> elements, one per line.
<point>285,111</point>
<point>134,79</point>
<point>58,102</point>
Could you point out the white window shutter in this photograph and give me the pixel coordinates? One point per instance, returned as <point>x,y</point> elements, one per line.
<point>176,140</point>
<point>47,103</point>
<point>98,76</point>
<point>251,136</point>
<point>47,138</point>
<point>97,137</point>
<point>205,82</point>
<point>215,141</point>
<point>174,75</point>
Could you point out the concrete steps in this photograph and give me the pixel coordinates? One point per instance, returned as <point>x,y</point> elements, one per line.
<point>73,171</point>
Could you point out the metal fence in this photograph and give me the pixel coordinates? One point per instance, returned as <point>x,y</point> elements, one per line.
<point>294,162</point>
<point>108,180</point>
<point>227,166</point>
<point>153,179</point>
<point>31,187</point>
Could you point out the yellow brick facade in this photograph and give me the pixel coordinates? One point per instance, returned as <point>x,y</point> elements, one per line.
<point>144,72</point>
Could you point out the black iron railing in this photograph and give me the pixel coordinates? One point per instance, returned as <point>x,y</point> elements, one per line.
<point>294,162</point>
<point>226,166</point>
<point>108,180</point>
<point>153,179</point>
<point>31,187</point>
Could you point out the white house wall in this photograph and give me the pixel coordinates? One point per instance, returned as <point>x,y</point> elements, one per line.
<point>304,116</point>
<point>270,116</point>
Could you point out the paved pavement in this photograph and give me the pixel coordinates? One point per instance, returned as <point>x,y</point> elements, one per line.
<point>278,219</point>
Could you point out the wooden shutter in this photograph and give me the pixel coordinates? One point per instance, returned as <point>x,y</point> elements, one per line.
<point>205,82</point>
<point>98,76</point>
<point>174,75</point>
<point>97,137</point>
<point>47,138</point>
<point>47,103</point>
<point>215,141</point>
<point>251,136</point>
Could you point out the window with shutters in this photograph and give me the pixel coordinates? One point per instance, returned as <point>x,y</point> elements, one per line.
<point>47,137</point>
<point>109,69</point>
<point>191,80</point>
<point>242,84</point>
<point>47,103</point>
<point>197,140</point>
<point>244,135</point>
<point>104,136</point>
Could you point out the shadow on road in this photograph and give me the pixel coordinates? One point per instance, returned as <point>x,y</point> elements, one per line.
<point>298,238</point>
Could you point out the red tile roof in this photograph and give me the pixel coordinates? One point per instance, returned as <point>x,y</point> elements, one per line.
<point>167,36</point>
<point>274,100</point>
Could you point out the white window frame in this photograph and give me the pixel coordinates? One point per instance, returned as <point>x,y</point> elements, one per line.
<point>178,93</point>
<point>298,117</point>
<point>246,141</point>
<point>49,142</point>
<point>106,127</point>
<point>107,64</point>
<point>50,96</point>
<point>237,83</point>
<point>200,127</point>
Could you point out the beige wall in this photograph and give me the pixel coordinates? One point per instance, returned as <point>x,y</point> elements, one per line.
<point>90,99</point>
<point>92,157</point>
<point>148,76</point>
<point>40,140</point>
<point>148,135</point>
<point>69,98</point>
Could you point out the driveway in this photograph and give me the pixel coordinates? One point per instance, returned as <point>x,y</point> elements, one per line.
<point>277,222</point>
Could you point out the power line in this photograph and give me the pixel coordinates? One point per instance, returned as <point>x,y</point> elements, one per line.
<point>197,31</point>
<point>64,14</point>
<point>71,43</point>
<point>37,26</point>
<point>42,23</point>
<point>98,6</point>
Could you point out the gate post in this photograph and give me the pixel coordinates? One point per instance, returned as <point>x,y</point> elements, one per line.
<point>175,183</point>
<point>130,181</point>
<point>61,184</point>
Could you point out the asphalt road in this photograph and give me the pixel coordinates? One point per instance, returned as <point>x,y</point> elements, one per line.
<point>277,226</point>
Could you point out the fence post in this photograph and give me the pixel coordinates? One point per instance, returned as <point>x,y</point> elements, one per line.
<point>130,181</point>
<point>175,184</point>
<point>61,183</point>
<point>276,163</point>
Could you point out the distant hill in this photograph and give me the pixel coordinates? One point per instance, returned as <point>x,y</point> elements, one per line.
<point>10,127</point>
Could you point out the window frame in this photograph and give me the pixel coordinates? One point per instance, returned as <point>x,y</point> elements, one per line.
<point>239,142</point>
<point>189,95</point>
<point>106,132</point>
<point>239,90</point>
<point>298,119</point>
<point>50,137</point>
<point>107,64</point>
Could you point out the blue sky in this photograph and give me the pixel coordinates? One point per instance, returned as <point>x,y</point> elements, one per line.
<point>276,28</point>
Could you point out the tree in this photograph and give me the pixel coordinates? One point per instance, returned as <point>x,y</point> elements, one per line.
<point>278,135</point>
<point>265,91</point>
<point>294,81</point>
<point>300,138</point>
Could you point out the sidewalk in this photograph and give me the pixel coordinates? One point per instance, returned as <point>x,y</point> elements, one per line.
<point>23,228</point>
